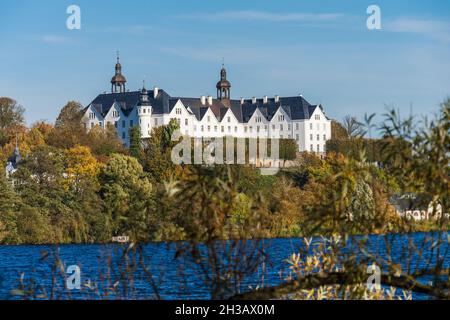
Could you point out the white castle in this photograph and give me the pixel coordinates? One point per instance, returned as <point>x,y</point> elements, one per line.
<point>206,117</point>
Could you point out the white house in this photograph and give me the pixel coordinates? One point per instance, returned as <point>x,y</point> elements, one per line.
<point>267,117</point>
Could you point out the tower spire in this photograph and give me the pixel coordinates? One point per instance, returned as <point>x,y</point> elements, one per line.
<point>118,81</point>
<point>223,86</point>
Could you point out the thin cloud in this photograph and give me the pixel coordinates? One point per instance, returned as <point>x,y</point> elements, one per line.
<point>263,16</point>
<point>436,29</point>
<point>54,39</point>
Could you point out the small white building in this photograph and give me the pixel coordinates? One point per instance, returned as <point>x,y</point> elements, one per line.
<point>205,116</point>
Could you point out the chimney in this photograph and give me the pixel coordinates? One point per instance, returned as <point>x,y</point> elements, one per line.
<point>155,92</point>
<point>242,101</point>
<point>210,100</point>
<point>265,99</point>
<point>203,100</point>
<point>254,100</point>
<point>277,99</point>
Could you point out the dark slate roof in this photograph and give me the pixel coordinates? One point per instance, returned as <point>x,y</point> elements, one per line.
<point>297,108</point>
<point>128,100</point>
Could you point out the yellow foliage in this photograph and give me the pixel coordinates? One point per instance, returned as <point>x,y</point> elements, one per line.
<point>81,164</point>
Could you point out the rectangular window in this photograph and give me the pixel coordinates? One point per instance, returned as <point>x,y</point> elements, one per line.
<point>296,126</point>
<point>131,123</point>
<point>312,148</point>
<point>273,127</point>
<point>229,119</point>
<point>92,125</point>
<point>257,129</point>
<point>215,128</point>
<point>311,137</point>
<point>201,128</point>
<point>124,124</point>
<point>222,129</point>
<point>317,117</point>
<point>186,122</point>
<point>245,129</point>
<point>209,118</point>
<point>318,148</point>
<point>310,126</point>
<point>318,137</point>
<point>123,135</point>
<point>324,137</point>
<point>229,129</point>
<point>209,128</point>
<point>91,115</point>
<point>297,137</point>
<point>289,127</point>
<point>156,122</point>
<point>281,127</point>
<point>235,129</point>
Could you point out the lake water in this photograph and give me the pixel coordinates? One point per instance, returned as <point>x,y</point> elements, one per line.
<point>174,277</point>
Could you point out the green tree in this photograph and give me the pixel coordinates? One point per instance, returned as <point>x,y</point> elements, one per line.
<point>9,207</point>
<point>135,142</point>
<point>128,197</point>
<point>157,152</point>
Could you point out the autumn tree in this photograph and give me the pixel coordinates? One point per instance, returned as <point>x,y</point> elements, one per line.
<point>69,130</point>
<point>11,116</point>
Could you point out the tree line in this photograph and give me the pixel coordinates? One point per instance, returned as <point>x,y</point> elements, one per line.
<point>78,186</point>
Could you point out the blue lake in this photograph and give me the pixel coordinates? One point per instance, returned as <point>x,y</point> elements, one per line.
<point>176,278</point>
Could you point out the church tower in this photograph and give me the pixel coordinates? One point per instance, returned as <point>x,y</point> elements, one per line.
<point>118,81</point>
<point>223,87</point>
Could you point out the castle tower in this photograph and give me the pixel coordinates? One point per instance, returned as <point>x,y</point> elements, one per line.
<point>118,81</point>
<point>223,87</point>
<point>144,113</point>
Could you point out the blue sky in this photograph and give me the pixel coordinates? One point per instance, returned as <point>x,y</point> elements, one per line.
<point>321,49</point>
